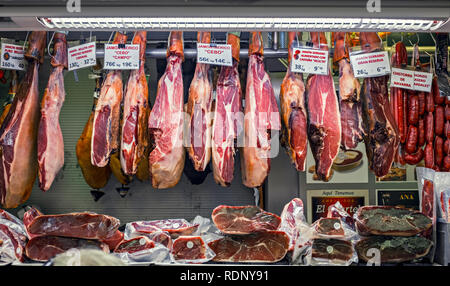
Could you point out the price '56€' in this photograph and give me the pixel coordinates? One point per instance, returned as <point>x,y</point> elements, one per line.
<point>309,61</point>
<point>214,54</point>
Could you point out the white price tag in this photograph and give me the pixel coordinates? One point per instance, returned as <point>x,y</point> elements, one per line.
<point>370,64</point>
<point>12,57</point>
<point>214,54</point>
<point>402,78</point>
<point>309,61</point>
<point>81,56</point>
<point>123,58</point>
<point>423,81</point>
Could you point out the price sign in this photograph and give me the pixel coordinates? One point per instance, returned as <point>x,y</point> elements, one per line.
<point>121,57</point>
<point>81,56</point>
<point>309,61</point>
<point>214,54</point>
<point>402,78</point>
<point>423,81</point>
<point>12,57</point>
<point>370,64</point>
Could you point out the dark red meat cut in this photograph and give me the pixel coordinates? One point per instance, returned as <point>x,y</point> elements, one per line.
<point>80,225</point>
<point>30,215</point>
<point>329,226</point>
<point>244,219</point>
<point>388,220</point>
<point>114,240</point>
<point>268,247</point>
<point>291,217</point>
<point>189,248</point>
<point>18,243</point>
<point>133,245</point>
<point>175,227</point>
<point>332,250</point>
<point>43,248</point>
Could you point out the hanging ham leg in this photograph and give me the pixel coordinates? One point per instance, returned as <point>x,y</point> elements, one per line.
<point>324,126</point>
<point>227,124</point>
<point>382,136</point>
<point>199,110</point>
<point>135,116</point>
<point>166,120</point>
<point>261,115</point>
<point>18,133</point>
<point>50,139</point>
<point>349,93</point>
<point>105,135</point>
<point>293,113</point>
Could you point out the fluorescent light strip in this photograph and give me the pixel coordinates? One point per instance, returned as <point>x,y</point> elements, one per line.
<point>228,23</point>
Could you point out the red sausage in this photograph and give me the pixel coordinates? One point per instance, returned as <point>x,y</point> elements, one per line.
<point>447,146</point>
<point>447,129</point>
<point>429,102</point>
<point>429,155</point>
<point>413,115</point>
<point>447,112</point>
<point>421,96</point>
<point>411,139</point>
<point>405,113</point>
<point>438,150</point>
<point>400,111</point>
<point>438,99</point>
<point>446,164</point>
<point>413,159</point>
<point>421,130</point>
<point>429,127</point>
<point>439,120</point>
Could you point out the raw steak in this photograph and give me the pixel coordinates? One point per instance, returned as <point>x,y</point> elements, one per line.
<point>134,137</point>
<point>199,111</point>
<point>387,220</point>
<point>293,113</point>
<point>134,245</point>
<point>382,136</point>
<point>227,124</point>
<point>18,133</point>
<point>244,219</point>
<point>291,218</point>
<point>105,133</point>
<point>80,225</point>
<point>166,120</point>
<point>114,240</point>
<point>50,139</point>
<point>189,248</point>
<point>268,246</point>
<point>28,218</point>
<point>331,250</point>
<point>43,248</point>
<point>394,249</point>
<point>175,227</point>
<point>324,119</point>
<point>349,94</point>
<point>261,116</point>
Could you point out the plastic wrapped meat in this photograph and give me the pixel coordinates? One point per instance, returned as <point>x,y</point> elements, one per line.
<point>267,247</point>
<point>329,227</point>
<point>191,249</point>
<point>43,248</point>
<point>175,227</point>
<point>244,219</point>
<point>134,245</point>
<point>331,252</point>
<point>13,238</point>
<point>80,225</point>
<point>338,211</point>
<point>292,218</point>
<point>114,240</point>
<point>387,220</point>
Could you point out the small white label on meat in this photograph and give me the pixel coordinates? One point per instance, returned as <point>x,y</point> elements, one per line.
<point>121,57</point>
<point>81,56</point>
<point>370,64</point>
<point>337,226</point>
<point>330,249</point>
<point>189,244</point>
<point>309,61</point>
<point>214,54</point>
<point>12,57</point>
<point>142,241</point>
<point>176,225</point>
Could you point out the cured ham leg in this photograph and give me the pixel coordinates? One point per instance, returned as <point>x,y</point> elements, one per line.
<point>135,113</point>
<point>293,113</point>
<point>18,133</point>
<point>166,120</point>
<point>261,115</point>
<point>105,135</point>
<point>324,127</point>
<point>227,125</point>
<point>349,93</point>
<point>199,110</point>
<point>382,136</point>
<point>50,138</point>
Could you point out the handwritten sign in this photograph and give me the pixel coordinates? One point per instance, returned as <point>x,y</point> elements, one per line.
<point>402,78</point>
<point>12,57</point>
<point>309,61</point>
<point>124,57</point>
<point>370,64</point>
<point>423,81</point>
<point>214,54</point>
<point>81,56</point>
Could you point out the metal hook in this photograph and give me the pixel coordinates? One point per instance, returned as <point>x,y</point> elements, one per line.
<point>49,43</point>
<point>109,40</point>
<point>25,42</point>
<point>296,38</point>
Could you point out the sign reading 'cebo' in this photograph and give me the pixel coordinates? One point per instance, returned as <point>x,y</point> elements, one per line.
<point>214,54</point>
<point>309,61</point>
<point>124,57</point>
